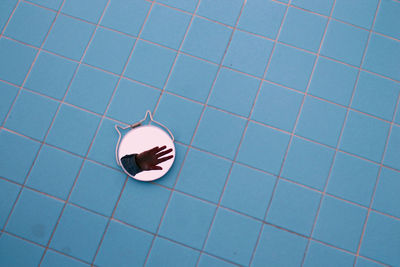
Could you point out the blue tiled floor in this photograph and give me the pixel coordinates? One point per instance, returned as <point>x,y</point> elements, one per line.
<point>286,120</point>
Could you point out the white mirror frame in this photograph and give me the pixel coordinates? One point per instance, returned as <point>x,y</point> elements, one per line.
<point>133,126</point>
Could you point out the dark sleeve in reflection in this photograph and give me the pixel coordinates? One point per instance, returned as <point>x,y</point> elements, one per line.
<point>129,163</point>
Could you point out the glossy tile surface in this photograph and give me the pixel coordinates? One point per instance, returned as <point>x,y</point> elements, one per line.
<point>286,121</point>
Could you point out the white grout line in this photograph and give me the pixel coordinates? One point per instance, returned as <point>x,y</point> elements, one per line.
<point>9,18</point>
<point>168,92</point>
<point>338,142</point>
<point>54,118</point>
<point>12,105</point>
<point>155,108</point>
<point>375,187</point>
<point>295,125</point>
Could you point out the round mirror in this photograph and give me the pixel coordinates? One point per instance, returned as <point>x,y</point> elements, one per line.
<point>146,138</point>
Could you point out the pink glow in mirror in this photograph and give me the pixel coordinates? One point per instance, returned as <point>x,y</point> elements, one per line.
<point>143,138</point>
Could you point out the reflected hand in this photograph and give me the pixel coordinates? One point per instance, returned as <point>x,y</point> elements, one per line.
<point>148,159</point>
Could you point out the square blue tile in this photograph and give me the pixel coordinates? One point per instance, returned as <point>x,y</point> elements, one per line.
<point>98,188</point>
<point>73,130</point>
<point>54,172</point>
<point>91,89</point>
<point>308,163</point>
<point>211,261</point>
<point>376,95</point>
<point>362,262</point>
<point>320,6</point>
<point>386,19</point>
<point>109,50</point>
<point>59,40</point>
<point>248,53</point>
<point>88,10</point>
<point>234,92</point>
<point>206,39</point>
<point>383,61</point>
<point>32,115</point>
<point>321,121</point>
<point>170,177</point>
<point>17,252</point>
<point>7,97</point>
<point>233,237</point>
<point>381,241</point>
<point>53,258</point>
<point>53,4</point>
<point>277,106</point>
<point>303,29</point>
<point>192,78</point>
<point>212,132</point>
<point>248,191</point>
<point>279,248</point>
<point>392,155</point>
<point>353,179</point>
<point>126,15</point>
<point>257,141</point>
<point>16,60</point>
<point>8,194</point>
<point>294,207</point>
<point>78,233</point>
<point>34,217</point>
<point>147,200</point>
<point>340,224</point>
<point>196,180</point>
<point>187,5</point>
<point>386,195</point>
<point>129,92</point>
<point>150,64</point>
<point>344,42</point>
<point>224,11</point>
<point>397,116</point>
<point>168,254</point>
<point>38,19</point>
<point>123,246</point>
<point>103,149</point>
<point>6,8</point>
<point>290,67</point>
<point>190,230</point>
<point>51,75</point>
<point>12,149</point>
<point>179,115</point>
<point>357,12</point>
<point>166,26</point>
<point>322,255</point>
<point>262,17</point>
<point>333,81</point>
<point>364,136</point>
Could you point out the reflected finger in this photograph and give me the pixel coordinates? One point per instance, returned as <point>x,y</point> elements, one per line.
<point>164,153</point>
<point>164,159</point>
<point>161,148</point>
<point>154,149</point>
<point>156,168</point>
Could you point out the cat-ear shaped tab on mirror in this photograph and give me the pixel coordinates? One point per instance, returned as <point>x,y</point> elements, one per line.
<point>145,152</point>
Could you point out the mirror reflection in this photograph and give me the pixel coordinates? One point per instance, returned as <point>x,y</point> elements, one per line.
<point>147,160</point>
<point>146,152</point>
